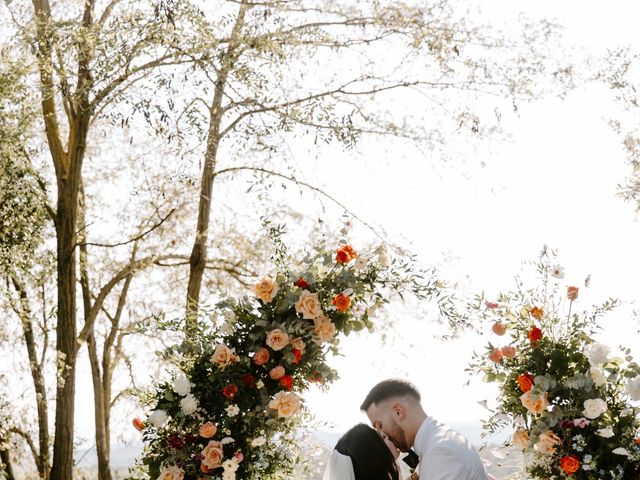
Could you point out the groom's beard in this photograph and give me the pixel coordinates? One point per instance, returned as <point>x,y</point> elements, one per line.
<point>398,437</point>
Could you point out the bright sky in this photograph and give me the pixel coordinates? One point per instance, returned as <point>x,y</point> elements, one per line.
<point>554,183</point>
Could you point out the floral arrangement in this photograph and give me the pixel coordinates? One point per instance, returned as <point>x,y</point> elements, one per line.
<point>232,407</point>
<point>569,399</point>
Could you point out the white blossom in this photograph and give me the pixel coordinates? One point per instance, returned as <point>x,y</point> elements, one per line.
<point>181,385</point>
<point>189,404</point>
<point>158,418</point>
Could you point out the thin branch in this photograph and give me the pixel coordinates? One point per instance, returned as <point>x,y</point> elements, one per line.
<point>29,441</point>
<point>131,240</point>
<point>304,184</point>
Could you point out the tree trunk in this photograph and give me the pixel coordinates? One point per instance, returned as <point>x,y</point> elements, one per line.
<point>7,468</point>
<point>101,422</point>
<point>198,259</point>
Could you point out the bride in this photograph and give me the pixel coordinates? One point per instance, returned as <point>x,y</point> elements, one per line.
<point>362,454</point>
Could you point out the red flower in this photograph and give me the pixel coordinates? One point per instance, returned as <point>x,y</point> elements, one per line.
<point>572,293</point>
<point>536,312</point>
<point>525,382</point>
<point>489,304</point>
<point>301,283</point>
<point>249,380</point>
<point>342,302</point>
<point>139,424</point>
<point>345,254</point>
<point>569,464</point>
<point>286,382</point>
<point>534,335</point>
<point>230,391</point>
<point>297,354</point>
<point>176,442</point>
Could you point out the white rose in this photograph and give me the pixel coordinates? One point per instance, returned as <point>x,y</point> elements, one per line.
<point>597,353</point>
<point>230,465</point>
<point>158,418</point>
<point>633,388</point>
<point>227,440</point>
<point>181,385</point>
<point>189,404</point>
<point>595,407</point>
<point>597,376</point>
<point>171,473</point>
<point>258,441</point>
<point>621,451</point>
<point>233,410</point>
<point>606,432</point>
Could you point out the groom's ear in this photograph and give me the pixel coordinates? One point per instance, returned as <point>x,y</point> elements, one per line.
<point>399,411</point>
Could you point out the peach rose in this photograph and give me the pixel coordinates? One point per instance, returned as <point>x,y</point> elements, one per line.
<point>298,344</point>
<point>287,404</point>
<point>223,355</point>
<point>521,438</point>
<point>535,404</point>
<point>498,328</point>
<point>547,443</point>
<point>324,329</point>
<point>208,430</point>
<point>212,454</point>
<point>261,356</point>
<point>171,473</point>
<point>508,351</point>
<point>277,373</point>
<point>572,293</point>
<point>495,355</point>
<point>277,339</point>
<point>308,305</point>
<point>265,289</point>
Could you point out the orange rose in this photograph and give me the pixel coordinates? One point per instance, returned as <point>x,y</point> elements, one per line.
<point>212,454</point>
<point>286,382</point>
<point>499,328</point>
<point>547,443</point>
<point>534,335</point>
<point>525,381</point>
<point>536,312</point>
<point>535,404</point>
<point>261,356</point>
<point>495,355</point>
<point>139,424</point>
<point>572,293</point>
<point>277,339</point>
<point>345,254</point>
<point>342,302</point>
<point>637,441</point>
<point>569,464</point>
<point>277,373</point>
<point>508,351</point>
<point>208,430</point>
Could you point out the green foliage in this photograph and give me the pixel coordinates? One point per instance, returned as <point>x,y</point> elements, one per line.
<point>549,373</point>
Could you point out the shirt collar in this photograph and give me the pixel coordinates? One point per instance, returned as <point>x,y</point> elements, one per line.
<point>424,434</point>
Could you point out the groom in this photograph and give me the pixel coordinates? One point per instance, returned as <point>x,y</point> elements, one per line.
<point>394,409</point>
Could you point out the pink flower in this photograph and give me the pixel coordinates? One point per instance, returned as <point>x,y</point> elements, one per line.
<point>581,422</point>
<point>490,304</point>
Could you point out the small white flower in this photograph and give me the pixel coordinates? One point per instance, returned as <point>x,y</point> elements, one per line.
<point>557,271</point>
<point>259,384</point>
<point>621,451</point>
<point>543,250</point>
<point>189,404</point>
<point>347,292</point>
<point>258,441</point>
<point>627,412</point>
<point>181,385</point>
<point>606,432</point>
<point>230,465</point>
<point>227,440</point>
<point>633,388</point>
<point>232,410</point>
<point>597,353</point>
<point>597,376</point>
<point>587,281</point>
<point>158,418</point>
<point>360,263</point>
<point>383,256</point>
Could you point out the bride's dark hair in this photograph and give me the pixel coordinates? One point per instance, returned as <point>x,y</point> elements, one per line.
<point>371,458</point>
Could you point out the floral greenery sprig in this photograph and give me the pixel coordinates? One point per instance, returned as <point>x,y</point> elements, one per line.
<point>570,402</point>
<point>232,408</point>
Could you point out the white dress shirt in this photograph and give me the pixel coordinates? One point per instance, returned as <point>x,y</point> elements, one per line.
<point>445,454</point>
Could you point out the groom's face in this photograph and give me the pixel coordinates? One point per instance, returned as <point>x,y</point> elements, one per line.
<point>384,418</point>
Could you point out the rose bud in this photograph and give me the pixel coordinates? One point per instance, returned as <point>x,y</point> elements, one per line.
<point>572,293</point>
<point>495,355</point>
<point>498,328</point>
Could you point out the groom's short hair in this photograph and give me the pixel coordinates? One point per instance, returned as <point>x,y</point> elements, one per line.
<point>390,388</point>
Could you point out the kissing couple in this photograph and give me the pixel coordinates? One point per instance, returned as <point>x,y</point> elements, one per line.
<point>400,424</point>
